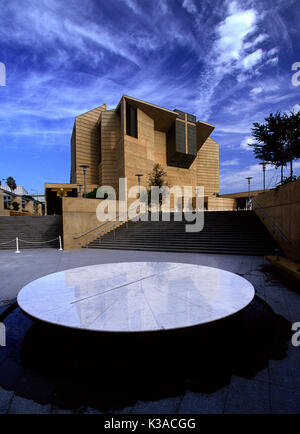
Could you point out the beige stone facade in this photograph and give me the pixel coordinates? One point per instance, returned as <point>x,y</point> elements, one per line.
<point>131,138</point>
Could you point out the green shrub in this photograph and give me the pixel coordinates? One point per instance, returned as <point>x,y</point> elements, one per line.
<point>15,206</point>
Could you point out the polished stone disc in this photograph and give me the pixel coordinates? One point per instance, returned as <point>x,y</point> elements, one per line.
<point>135,296</point>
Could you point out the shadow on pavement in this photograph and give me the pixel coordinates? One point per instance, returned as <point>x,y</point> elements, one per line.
<point>110,371</point>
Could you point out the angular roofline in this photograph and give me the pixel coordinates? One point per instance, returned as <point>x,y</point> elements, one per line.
<point>95,108</point>
<point>145,102</point>
<point>156,106</point>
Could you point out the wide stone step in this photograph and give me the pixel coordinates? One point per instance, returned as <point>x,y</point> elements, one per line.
<point>223,232</point>
<point>182,242</point>
<point>188,236</point>
<point>188,246</point>
<point>39,230</point>
<point>184,250</point>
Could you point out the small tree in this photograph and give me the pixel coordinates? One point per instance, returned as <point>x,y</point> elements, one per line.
<point>11,183</point>
<point>156,178</point>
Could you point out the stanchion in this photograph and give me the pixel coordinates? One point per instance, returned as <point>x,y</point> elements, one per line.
<point>60,245</point>
<point>17,245</point>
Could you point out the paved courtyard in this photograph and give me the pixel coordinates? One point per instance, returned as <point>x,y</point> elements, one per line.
<point>275,389</point>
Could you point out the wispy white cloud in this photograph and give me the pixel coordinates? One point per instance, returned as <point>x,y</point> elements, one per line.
<point>133,5</point>
<point>233,162</point>
<point>245,143</point>
<point>163,7</point>
<point>252,59</point>
<point>258,40</point>
<point>210,62</point>
<point>232,32</point>
<point>272,60</point>
<point>256,90</point>
<point>235,180</point>
<point>230,54</point>
<point>190,6</point>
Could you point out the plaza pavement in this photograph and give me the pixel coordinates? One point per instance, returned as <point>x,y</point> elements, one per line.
<point>276,389</point>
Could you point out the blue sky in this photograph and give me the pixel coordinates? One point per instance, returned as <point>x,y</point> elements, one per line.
<point>228,62</point>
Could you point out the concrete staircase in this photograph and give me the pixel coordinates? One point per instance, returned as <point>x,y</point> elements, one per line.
<point>35,229</point>
<point>232,232</point>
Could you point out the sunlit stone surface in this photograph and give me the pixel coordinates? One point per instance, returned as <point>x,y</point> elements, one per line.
<point>135,296</point>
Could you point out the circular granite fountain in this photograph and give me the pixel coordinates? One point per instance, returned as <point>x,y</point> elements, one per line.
<point>135,296</point>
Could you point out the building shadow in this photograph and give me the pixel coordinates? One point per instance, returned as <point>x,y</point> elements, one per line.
<point>110,371</point>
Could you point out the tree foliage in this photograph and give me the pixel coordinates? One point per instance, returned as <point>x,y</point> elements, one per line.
<point>277,141</point>
<point>156,178</point>
<point>92,194</point>
<point>11,183</point>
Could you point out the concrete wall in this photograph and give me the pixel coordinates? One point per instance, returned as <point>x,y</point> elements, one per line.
<point>109,167</point>
<point>283,206</point>
<point>85,146</point>
<point>215,203</point>
<point>79,216</point>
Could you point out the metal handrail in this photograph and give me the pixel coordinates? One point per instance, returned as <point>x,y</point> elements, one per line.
<point>99,226</point>
<point>98,233</point>
<point>272,222</point>
<point>108,227</point>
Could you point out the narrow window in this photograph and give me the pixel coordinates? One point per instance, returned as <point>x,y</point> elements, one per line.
<point>131,121</point>
<point>100,143</point>
<point>192,139</point>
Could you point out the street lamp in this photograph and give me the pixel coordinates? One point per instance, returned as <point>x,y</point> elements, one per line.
<point>249,179</point>
<point>84,167</point>
<point>139,175</point>
<point>263,164</point>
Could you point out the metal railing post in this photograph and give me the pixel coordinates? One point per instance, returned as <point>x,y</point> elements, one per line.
<point>17,245</point>
<point>60,245</point>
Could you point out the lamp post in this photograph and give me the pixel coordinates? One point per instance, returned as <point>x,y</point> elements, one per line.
<point>263,164</point>
<point>139,175</point>
<point>84,167</point>
<point>249,179</point>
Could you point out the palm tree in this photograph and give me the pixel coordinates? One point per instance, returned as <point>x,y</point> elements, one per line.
<point>11,183</point>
